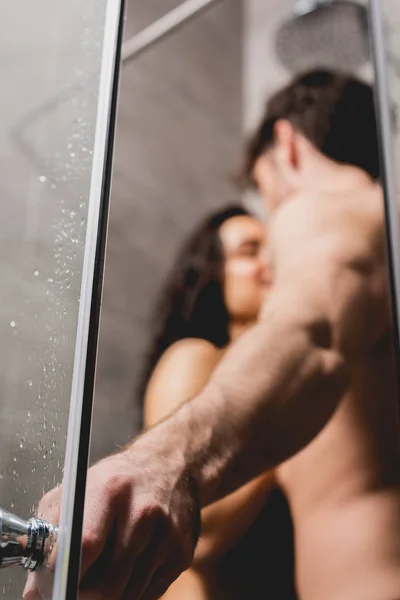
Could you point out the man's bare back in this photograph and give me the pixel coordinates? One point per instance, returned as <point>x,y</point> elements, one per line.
<point>343,488</point>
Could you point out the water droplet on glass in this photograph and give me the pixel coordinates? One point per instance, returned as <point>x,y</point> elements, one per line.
<point>13,324</point>
<point>30,383</point>
<point>50,280</point>
<point>42,178</point>
<point>36,273</point>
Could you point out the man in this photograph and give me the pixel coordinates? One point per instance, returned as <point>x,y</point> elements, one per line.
<point>310,387</point>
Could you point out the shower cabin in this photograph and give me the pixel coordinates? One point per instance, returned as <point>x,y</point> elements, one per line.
<point>60,69</point>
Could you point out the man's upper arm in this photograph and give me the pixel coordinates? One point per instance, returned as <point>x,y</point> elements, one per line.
<point>181,373</point>
<point>325,278</point>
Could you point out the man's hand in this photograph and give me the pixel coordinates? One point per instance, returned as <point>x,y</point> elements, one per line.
<point>141,525</point>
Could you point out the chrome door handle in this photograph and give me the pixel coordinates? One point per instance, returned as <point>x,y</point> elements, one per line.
<point>25,543</point>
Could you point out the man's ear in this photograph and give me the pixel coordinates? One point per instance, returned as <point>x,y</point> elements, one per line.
<point>285,143</point>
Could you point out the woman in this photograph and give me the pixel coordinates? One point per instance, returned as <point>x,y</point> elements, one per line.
<point>214,294</point>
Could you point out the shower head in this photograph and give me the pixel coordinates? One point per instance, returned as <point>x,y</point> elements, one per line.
<point>324,33</point>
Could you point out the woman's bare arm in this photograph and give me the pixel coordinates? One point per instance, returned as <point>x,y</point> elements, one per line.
<point>181,374</point>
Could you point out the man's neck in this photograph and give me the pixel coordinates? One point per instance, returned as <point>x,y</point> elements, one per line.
<point>324,176</point>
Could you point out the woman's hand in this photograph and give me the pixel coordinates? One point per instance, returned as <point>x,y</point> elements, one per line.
<point>141,525</point>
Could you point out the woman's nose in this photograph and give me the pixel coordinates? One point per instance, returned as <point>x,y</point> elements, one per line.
<point>265,272</point>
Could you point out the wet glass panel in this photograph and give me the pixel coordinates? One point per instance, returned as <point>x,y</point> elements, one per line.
<point>50,56</point>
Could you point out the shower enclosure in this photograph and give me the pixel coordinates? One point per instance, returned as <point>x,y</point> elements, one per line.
<point>59,67</point>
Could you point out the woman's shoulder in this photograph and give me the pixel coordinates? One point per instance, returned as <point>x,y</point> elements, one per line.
<point>190,355</point>
<point>193,348</point>
<point>188,360</point>
<point>180,374</point>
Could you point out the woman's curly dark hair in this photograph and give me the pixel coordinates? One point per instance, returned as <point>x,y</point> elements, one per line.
<point>191,304</point>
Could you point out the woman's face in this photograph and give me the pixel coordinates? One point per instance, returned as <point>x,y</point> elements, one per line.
<point>247,276</point>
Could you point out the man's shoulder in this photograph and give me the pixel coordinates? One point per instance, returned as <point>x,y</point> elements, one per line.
<point>358,213</point>
<point>330,232</point>
<point>366,200</point>
<point>297,222</point>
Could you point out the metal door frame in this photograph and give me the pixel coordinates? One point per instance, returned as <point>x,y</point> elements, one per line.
<point>67,571</point>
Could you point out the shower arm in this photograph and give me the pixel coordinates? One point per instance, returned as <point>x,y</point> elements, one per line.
<point>25,543</point>
<point>164,26</point>
<point>305,7</point>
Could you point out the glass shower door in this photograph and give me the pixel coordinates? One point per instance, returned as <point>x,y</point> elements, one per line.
<point>57,108</point>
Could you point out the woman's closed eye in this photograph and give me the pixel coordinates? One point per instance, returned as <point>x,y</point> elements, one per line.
<point>249,249</point>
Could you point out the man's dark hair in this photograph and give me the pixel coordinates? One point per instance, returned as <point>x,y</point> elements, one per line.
<point>332,110</point>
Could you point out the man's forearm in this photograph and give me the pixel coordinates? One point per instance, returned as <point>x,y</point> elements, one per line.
<point>271,395</point>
